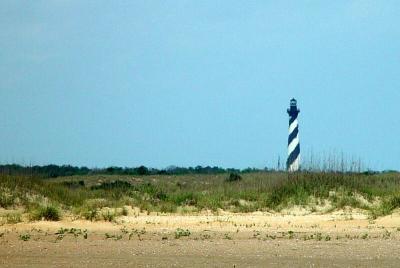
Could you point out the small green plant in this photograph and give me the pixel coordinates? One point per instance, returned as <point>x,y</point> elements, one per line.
<point>124,230</point>
<point>131,235</point>
<point>75,232</point>
<point>318,236</point>
<point>60,237</point>
<point>387,234</point>
<point>137,231</point>
<point>256,234</point>
<point>181,232</point>
<point>25,237</point>
<point>273,237</point>
<point>227,236</point>
<point>113,236</point>
<point>62,230</point>
<point>205,236</point>
<point>364,236</point>
<point>290,234</point>
<point>108,235</point>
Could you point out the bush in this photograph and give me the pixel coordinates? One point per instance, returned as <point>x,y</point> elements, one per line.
<point>108,216</point>
<point>142,170</point>
<point>387,206</point>
<point>48,213</point>
<point>90,214</point>
<point>74,184</point>
<point>6,198</point>
<point>233,177</point>
<point>167,207</point>
<point>118,184</point>
<point>125,211</point>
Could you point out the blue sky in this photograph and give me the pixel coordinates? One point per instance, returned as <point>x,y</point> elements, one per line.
<point>185,83</point>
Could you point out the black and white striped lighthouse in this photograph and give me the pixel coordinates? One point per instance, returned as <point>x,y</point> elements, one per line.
<point>293,161</point>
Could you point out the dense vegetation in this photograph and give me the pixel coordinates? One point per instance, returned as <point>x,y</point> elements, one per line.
<point>54,171</point>
<point>87,195</point>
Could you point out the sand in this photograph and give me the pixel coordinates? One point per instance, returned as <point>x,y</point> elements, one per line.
<point>339,239</point>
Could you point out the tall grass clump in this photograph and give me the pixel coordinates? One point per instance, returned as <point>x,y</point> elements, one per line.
<point>387,206</point>
<point>299,188</point>
<point>11,218</point>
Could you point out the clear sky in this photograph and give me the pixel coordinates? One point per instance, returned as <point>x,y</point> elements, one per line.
<point>185,83</point>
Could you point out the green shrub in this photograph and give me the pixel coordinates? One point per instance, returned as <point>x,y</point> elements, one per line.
<point>48,213</point>
<point>74,184</point>
<point>125,211</point>
<point>118,184</point>
<point>168,207</point>
<point>108,215</point>
<point>90,214</point>
<point>233,177</point>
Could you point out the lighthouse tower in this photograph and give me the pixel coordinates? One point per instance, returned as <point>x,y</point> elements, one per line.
<point>293,161</point>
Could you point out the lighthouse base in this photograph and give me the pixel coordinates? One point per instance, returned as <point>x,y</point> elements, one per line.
<point>295,166</point>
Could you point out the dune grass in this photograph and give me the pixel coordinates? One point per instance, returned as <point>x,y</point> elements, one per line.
<point>86,196</point>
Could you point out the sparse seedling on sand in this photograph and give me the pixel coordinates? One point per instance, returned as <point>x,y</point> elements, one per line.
<point>113,236</point>
<point>62,230</point>
<point>60,237</point>
<point>25,237</point>
<point>227,236</point>
<point>181,232</point>
<point>290,234</point>
<point>124,230</point>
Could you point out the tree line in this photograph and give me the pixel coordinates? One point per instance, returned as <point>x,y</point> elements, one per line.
<point>53,171</point>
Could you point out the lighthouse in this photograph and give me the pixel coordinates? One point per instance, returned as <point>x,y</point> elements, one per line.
<point>293,161</point>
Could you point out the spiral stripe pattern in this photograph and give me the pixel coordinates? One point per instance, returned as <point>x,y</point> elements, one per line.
<point>293,161</point>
